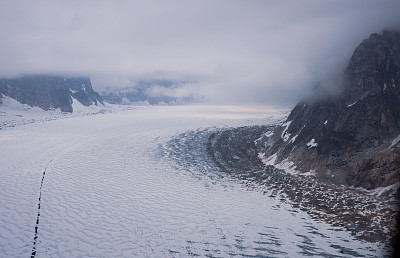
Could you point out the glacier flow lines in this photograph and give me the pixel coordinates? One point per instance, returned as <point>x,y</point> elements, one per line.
<point>38,213</point>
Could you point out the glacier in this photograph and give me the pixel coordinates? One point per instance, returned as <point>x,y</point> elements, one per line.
<point>110,185</point>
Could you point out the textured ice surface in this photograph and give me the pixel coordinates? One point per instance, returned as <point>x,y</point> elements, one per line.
<point>108,193</point>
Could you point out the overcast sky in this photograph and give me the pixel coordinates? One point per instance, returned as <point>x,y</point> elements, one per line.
<point>259,52</point>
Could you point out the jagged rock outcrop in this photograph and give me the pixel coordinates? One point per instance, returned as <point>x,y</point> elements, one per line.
<point>50,92</point>
<point>352,138</point>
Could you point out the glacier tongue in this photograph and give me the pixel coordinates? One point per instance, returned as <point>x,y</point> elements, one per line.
<point>107,193</point>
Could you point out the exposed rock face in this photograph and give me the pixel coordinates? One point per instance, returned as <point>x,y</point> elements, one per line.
<point>49,92</point>
<point>351,138</point>
<point>81,89</point>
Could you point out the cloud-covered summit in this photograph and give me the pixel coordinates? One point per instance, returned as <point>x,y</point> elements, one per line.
<point>226,51</point>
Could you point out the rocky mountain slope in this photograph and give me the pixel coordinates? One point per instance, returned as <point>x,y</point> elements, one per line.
<point>351,138</point>
<point>50,92</point>
<point>329,144</point>
<point>368,215</point>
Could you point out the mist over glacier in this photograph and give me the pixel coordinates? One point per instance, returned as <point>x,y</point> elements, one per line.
<point>106,179</point>
<point>225,52</point>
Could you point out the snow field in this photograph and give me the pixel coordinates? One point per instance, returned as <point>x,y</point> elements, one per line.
<point>105,194</point>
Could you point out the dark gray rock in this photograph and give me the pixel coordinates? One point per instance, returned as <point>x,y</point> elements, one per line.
<point>353,130</point>
<point>234,150</point>
<point>50,92</point>
<point>81,89</point>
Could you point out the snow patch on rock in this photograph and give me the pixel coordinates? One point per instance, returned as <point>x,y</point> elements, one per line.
<point>293,139</point>
<point>352,104</point>
<point>78,107</point>
<point>285,135</point>
<point>286,165</point>
<point>312,143</point>
<point>388,189</point>
<point>312,172</point>
<point>268,161</point>
<point>269,133</point>
<point>394,141</point>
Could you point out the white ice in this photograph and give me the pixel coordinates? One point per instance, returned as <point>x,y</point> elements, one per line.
<point>106,194</point>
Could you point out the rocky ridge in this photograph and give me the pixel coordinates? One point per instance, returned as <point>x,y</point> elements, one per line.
<point>50,92</point>
<point>367,215</point>
<point>351,138</point>
<point>336,157</point>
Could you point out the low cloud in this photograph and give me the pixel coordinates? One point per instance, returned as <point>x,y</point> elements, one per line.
<point>174,91</point>
<point>236,52</point>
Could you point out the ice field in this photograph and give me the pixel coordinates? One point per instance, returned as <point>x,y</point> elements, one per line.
<point>110,185</point>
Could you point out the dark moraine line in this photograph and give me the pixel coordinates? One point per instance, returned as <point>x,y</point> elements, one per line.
<point>38,213</point>
<point>211,153</point>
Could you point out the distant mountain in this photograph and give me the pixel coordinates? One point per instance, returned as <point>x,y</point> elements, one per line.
<point>134,95</point>
<point>150,92</point>
<point>50,92</point>
<point>352,138</point>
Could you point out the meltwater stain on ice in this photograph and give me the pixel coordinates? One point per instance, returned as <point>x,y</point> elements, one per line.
<point>38,214</point>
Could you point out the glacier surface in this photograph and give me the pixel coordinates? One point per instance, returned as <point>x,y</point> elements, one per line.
<point>106,191</point>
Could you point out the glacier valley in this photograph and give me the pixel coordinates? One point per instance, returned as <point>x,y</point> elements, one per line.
<point>115,184</point>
